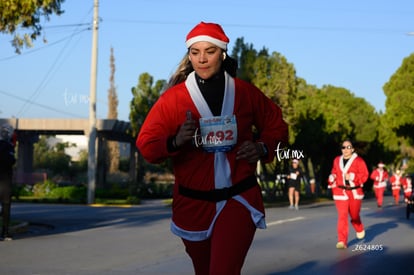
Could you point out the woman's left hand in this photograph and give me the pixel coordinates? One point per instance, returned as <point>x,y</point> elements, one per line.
<point>250,151</point>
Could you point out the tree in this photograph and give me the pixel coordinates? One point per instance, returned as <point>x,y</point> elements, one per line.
<point>112,146</point>
<point>52,157</point>
<point>327,116</point>
<point>399,114</point>
<point>308,131</point>
<point>398,119</point>
<point>145,94</point>
<point>144,97</point>
<point>277,79</point>
<point>26,14</point>
<point>270,73</point>
<point>245,55</point>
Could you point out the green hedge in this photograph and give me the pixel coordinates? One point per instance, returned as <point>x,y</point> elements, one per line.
<point>74,194</point>
<point>49,191</point>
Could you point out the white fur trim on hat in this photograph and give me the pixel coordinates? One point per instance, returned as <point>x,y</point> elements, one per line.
<point>206,38</point>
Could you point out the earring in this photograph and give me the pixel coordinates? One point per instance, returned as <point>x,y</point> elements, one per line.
<point>189,58</point>
<point>224,55</point>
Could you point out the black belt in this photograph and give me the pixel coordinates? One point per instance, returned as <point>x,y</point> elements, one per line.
<point>349,187</point>
<point>222,194</point>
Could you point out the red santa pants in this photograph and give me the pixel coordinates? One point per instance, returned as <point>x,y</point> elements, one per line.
<point>345,207</point>
<point>379,194</point>
<point>396,195</point>
<point>224,253</point>
<point>407,195</point>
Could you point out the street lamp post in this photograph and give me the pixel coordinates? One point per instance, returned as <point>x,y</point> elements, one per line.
<point>92,108</point>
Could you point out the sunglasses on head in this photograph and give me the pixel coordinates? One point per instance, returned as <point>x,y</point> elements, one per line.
<point>347,147</point>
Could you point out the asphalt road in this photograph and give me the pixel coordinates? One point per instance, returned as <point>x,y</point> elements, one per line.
<point>83,240</point>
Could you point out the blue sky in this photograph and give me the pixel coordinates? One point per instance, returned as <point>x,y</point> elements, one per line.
<point>353,44</point>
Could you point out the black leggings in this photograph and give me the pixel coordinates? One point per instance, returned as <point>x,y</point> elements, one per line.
<point>5,212</point>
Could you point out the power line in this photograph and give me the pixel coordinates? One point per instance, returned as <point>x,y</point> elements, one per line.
<point>39,104</point>
<point>26,105</point>
<point>52,70</point>
<point>44,47</point>
<point>264,26</point>
<point>67,25</point>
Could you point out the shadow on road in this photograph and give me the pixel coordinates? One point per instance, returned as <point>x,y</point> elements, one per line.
<point>369,262</point>
<point>374,231</point>
<point>41,219</point>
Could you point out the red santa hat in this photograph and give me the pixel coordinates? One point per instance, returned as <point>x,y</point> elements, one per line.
<point>208,32</point>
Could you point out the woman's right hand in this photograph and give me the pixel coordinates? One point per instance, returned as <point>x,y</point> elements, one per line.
<point>185,133</point>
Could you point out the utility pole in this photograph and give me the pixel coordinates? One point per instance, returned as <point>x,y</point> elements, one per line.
<point>92,108</point>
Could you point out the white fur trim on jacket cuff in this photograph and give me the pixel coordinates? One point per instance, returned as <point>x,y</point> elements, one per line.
<point>332,185</point>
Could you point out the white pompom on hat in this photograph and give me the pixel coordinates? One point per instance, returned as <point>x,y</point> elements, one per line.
<point>208,32</point>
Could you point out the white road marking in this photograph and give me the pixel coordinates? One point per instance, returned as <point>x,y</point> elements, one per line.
<point>284,221</point>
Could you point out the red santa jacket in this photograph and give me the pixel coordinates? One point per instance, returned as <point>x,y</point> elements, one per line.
<point>358,171</point>
<point>407,186</point>
<point>194,168</point>
<point>380,178</point>
<point>396,182</point>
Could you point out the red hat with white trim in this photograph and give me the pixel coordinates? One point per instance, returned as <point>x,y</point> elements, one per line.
<point>208,32</point>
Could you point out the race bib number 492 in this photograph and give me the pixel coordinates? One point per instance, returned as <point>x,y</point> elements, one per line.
<point>218,134</point>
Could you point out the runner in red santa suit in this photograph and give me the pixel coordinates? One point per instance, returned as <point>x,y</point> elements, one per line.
<point>349,173</point>
<point>396,182</point>
<point>380,177</point>
<point>204,122</point>
<point>408,188</point>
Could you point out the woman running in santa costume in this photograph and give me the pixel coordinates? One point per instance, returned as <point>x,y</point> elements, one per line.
<point>380,178</point>
<point>396,182</point>
<point>407,187</point>
<point>204,122</point>
<point>348,175</point>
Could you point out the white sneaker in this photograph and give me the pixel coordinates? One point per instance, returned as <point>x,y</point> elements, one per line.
<point>360,235</point>
<point>340,245</point>
<point>7,238</point>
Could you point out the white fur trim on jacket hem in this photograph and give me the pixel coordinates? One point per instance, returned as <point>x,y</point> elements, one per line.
<point>258,219</point>
<point>345,197</point>
<point>381,185</point>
